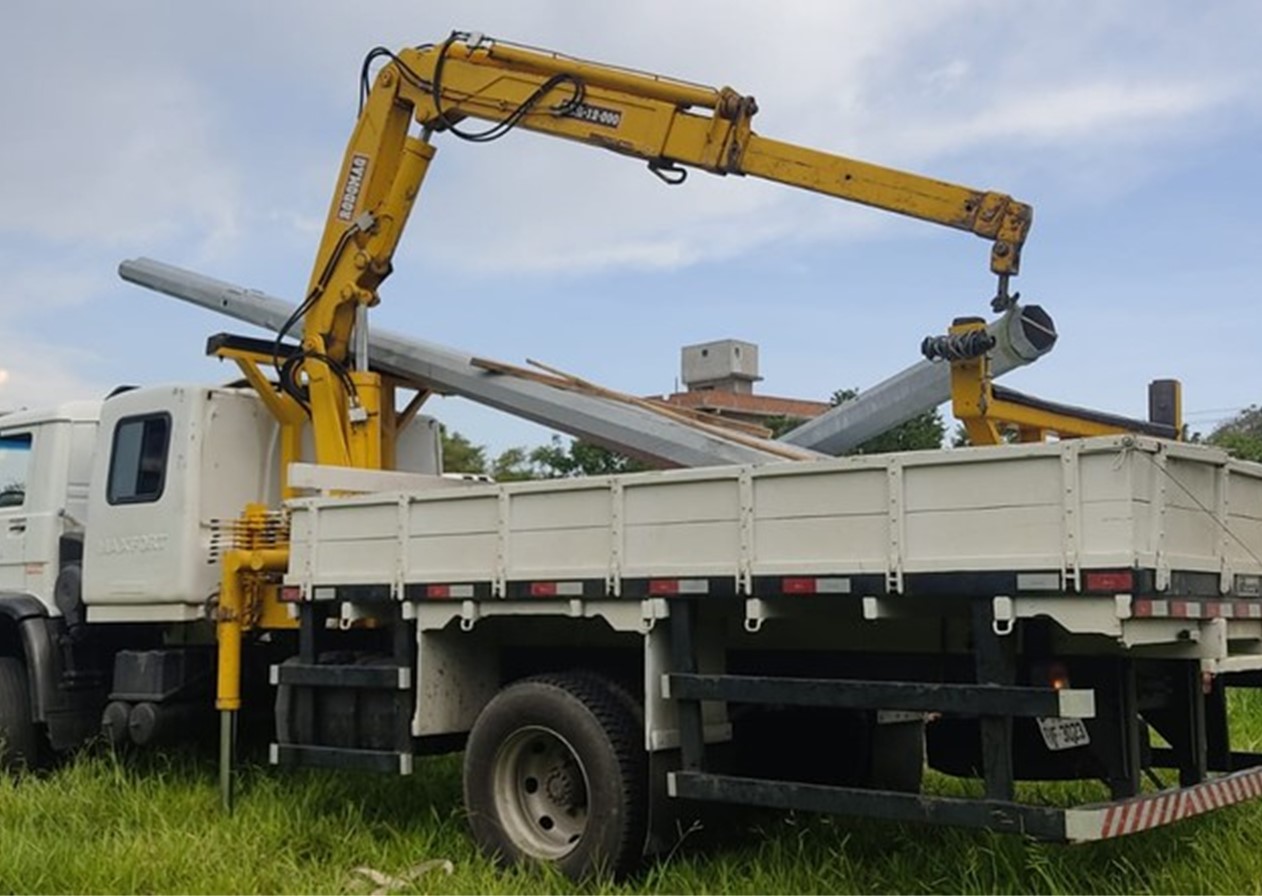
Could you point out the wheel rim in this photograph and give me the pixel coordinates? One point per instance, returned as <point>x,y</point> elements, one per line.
<point>541,792</point>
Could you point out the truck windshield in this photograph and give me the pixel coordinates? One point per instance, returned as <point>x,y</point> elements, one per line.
<point>15,457</point>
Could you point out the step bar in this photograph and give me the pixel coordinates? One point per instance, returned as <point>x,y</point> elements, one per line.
<point>1080,824</point>
<point>341,758</point>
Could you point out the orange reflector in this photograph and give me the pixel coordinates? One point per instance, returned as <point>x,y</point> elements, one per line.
<point>1058,676</point>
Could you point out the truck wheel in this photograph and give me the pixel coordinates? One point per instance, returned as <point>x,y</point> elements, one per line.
<point>555,770</point>
<point>19,741</point>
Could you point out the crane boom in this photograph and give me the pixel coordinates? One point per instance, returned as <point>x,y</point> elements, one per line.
<point>672,125</point>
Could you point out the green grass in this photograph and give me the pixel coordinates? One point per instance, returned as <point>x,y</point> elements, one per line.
<point>153,824</point>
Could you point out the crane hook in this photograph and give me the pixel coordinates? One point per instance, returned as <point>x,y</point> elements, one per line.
<point>1002,301</point>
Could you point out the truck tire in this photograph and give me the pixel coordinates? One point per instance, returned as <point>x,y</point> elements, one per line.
<point>555,770</point>
<point>19,741</point>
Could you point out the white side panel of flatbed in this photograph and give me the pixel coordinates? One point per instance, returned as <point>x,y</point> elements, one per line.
<point>1107,503</point>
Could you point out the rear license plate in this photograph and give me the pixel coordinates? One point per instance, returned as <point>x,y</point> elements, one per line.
<point>1063,734</point>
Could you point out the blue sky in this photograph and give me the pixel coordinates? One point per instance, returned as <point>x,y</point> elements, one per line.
<point>209,136</point>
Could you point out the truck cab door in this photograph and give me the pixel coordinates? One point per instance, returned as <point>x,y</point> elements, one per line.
<point>15,465</point>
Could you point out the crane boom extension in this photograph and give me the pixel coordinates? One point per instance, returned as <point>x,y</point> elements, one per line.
<point>673,125</point>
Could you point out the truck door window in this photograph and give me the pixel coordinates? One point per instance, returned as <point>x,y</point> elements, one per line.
<point>138,460</point>
<point>15,460</point>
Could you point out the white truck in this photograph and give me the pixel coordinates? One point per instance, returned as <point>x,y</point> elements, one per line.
<point>610,652</point>
<point>772,634</point>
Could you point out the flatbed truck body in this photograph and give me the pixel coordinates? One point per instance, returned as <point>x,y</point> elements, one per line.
<point>797,634</point>
<point>1105,556</point>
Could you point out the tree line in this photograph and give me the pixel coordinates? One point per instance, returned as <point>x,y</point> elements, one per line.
<point>1240,436</point>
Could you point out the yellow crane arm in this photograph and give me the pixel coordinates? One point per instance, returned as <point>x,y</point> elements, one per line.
<point>673,125</point>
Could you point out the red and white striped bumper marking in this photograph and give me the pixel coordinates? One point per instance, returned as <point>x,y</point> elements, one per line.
<point>1149,608</point>
<point>1147,812</point>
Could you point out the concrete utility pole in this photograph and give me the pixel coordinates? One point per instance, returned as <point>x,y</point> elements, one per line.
<point>617,425</point>
<point>1023,334</point>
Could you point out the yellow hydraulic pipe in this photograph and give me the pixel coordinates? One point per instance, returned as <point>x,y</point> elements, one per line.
<point>365,435</point>
<point>230,621</point>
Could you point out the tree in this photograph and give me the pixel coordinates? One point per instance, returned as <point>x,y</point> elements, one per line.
<point>557,460</point>
<point>783,424</point>
<point>460,455</point>
<point>920,433</point>
<point>513,465</point>
<point>961,439</point>
<point>1241,436</point>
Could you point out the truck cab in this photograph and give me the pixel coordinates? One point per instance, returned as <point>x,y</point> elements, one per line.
<point>45,468</point>
<point>113,514</point>
<point>171,461</point>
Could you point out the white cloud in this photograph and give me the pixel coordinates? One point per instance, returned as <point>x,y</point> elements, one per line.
<point>139,160</point>
<point>841,77</point>
<point>35,290</point>
<point>947,77</point>
<point>157,142</point>
<point>1097,113</point>
<point>38,374</point>
<point>208,134</point>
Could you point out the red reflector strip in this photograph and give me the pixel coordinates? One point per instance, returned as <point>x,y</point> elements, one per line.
<point>290,594</point>
<point>1121,581</point>
<point>439,592</point>
<point>556,589</point>
<point>668,587</point>
<point>813,585</point>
